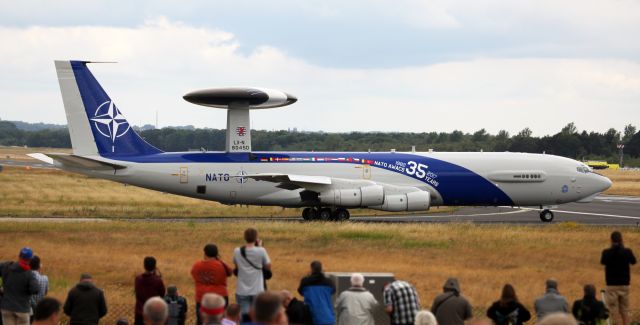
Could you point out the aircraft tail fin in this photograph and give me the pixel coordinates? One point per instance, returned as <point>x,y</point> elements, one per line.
<point>96,125</point>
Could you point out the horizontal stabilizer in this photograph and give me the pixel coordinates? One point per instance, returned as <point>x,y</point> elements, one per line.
<point>74,161</point>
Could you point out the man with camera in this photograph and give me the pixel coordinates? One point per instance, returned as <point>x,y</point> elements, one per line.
<point>252,267</point>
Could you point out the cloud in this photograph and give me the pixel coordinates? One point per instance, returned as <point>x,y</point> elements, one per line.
<point>375,33</point>
<point>161,60</point>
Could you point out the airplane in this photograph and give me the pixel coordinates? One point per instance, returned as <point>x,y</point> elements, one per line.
<point>325,184</point>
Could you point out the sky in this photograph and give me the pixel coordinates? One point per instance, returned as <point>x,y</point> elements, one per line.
<point>359,65</point>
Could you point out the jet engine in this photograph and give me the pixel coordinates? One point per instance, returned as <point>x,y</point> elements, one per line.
<point>411,201</point>
<point>358,197</point>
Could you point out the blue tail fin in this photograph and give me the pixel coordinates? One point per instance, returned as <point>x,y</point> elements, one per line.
<point>113,135</point>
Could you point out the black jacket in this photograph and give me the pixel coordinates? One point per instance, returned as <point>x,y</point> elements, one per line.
<point>513,313</point>
<point>298,312</point>
<point>588,311</point>
<point>177,309</point>
<point>85,304</point>
<point>616,261</point>
<point>19,284</point>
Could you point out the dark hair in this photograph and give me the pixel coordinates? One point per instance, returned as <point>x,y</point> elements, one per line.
<point>590,290</point>
<point>149,263</point>
<point>211,250</point>
<point>35,263</point>
<point>45,308</point>
<point>250,235</point>
<point>316,267</point>
<point>233,310</point>
<point>616,238</point>
<point>508,295</point>
<point>266,307</point>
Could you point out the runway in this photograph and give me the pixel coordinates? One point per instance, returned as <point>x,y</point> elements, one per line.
<point>606,210</point>
<point>603,210</point>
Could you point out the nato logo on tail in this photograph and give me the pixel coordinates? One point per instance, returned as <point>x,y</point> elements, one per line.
<point>110,122</point>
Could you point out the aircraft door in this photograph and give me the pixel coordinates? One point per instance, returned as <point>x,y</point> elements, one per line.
<point>366,171</point>
<point>184,175</point>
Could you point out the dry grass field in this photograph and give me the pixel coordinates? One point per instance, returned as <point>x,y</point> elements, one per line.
<point>625,182</point>
<point>483,257</point>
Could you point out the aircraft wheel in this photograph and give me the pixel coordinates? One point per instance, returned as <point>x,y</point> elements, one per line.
<point>546,215</point>
<point>342,214</point>
<point>324,214</point>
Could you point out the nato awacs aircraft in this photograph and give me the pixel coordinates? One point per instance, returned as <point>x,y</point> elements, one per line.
<point>325,184</point>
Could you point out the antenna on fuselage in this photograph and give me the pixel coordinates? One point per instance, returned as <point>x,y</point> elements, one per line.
<point>239,101</point>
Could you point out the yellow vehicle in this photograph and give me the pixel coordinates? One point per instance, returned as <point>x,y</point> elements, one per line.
<point>595,164</point>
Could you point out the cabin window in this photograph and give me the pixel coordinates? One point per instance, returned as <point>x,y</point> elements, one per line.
<point>201,189</point>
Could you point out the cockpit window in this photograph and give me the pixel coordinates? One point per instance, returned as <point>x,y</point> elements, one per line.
<point>583,169</point>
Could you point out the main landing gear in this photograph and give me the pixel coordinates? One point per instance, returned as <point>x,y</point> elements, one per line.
<point>546,215</point>
<point>325,214</point>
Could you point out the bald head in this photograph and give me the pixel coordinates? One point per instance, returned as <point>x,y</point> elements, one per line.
<point>357,280</point>
<point>211,308</point>
<point>155,311</point>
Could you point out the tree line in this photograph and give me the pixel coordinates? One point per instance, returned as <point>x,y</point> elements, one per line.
<point>568,142</point>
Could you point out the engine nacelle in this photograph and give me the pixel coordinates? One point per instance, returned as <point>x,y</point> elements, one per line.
<point>357,197</point>
<point>412,201</point>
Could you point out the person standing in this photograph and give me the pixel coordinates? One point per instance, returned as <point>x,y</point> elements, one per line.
<point>508,310</point>
<point>551,301</point>
<point>617,260</point>
<point>317,291</point>
<point>148,284</point>
<point>19,285</point>
<point>210,276</point>
<point>43,281</point>
<point>356,305</point>
<point>177,306</point>
<point>251,261</point>
<point>588,310</point>
<point>450,307</point>
<point>85,303</point>
<point>401,302</point>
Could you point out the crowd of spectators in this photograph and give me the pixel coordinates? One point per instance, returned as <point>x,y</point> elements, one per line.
<point>24,296</point>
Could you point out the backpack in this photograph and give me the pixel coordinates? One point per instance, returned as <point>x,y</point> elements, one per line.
<point>175,308</point>
<point>510,318</point>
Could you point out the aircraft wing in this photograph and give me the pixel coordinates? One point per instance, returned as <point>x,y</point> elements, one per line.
<point>75,161</point>
<point>290,181</point>
<point>313,183</point>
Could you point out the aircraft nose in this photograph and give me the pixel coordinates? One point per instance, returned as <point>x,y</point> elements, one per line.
<point>602,183</point>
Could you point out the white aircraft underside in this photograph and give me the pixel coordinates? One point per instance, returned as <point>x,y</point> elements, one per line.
<point>327,182</point>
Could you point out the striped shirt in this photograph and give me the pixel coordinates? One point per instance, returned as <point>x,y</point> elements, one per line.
<point>403,297</point>
<point>43,288</point>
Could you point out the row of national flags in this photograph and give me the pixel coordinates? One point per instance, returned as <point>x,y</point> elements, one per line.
<point>319,159</point>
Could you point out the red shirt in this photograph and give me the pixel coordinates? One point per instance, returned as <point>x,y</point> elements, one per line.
<point>210,276</point>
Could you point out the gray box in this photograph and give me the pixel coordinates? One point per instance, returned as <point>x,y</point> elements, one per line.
<point>374,282</point>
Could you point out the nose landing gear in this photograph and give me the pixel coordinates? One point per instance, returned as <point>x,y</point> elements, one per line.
<point>546,215</point>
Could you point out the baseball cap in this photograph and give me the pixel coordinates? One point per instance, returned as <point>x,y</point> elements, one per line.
<point>26,253</point>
